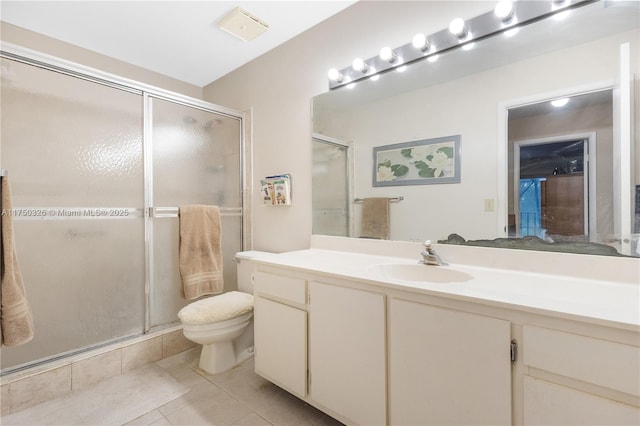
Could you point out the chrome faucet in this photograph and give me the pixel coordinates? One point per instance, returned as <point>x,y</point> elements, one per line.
<point>429,255</point>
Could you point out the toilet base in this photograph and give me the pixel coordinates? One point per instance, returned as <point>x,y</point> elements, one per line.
<point>217,357</point>
<point>220,357</point>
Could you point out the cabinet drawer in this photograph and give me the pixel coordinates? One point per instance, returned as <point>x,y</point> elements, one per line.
<point>550,404</point>
<point>600,362</point>
<point>281,287</point>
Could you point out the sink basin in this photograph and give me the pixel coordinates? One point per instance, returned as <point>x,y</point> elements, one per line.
<point>419,273</point>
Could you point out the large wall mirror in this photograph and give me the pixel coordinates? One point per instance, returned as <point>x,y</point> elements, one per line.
<point>565,173</point>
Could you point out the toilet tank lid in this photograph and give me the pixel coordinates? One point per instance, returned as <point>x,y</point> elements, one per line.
<point>217,308</point>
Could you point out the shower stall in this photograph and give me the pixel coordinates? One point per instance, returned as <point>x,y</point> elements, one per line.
<point>98,167</point>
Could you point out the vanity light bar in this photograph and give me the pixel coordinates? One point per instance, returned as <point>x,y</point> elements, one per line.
<point>482,26</point>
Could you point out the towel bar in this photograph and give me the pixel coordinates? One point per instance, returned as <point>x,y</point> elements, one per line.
<point>393,200</point>
<point>165,212</point>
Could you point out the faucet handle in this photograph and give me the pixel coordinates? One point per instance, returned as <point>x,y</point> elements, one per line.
<point>427,244</point>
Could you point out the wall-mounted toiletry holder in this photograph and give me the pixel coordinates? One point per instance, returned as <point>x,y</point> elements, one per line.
<point>276,190</point>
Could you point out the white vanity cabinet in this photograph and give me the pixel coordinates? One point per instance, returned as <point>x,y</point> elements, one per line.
<point>339,330</point>
<point>447,366</point>
<point>280,329</point>
<point>347,352</point>
<point>371,352</point>
<point>573,379</point>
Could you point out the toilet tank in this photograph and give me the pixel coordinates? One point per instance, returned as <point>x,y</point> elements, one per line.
<point>245,267</point>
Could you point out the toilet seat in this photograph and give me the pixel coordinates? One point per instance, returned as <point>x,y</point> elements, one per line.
<point>217,308</point>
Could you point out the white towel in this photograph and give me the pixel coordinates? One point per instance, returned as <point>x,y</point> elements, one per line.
<point>16,325</point>
<point>200,251</point>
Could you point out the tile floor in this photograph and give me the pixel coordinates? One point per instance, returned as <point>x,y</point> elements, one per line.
<point>236,397</point>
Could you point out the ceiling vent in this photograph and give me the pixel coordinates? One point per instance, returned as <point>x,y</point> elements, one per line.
<point>243,25</point>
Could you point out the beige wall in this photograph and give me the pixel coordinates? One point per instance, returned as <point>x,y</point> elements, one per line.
<point>31,40</point>
<point>279,85</point>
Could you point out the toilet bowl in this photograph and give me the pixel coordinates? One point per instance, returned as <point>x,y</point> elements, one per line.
<point>223,324</point>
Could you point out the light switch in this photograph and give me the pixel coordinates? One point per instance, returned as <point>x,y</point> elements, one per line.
<point>489,204</point>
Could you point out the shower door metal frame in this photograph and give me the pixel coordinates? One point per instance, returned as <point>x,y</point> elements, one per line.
<point>350,165</point>
<point>73,69</point>
<point>153,212</point>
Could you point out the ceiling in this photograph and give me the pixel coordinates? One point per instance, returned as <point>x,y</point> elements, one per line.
<point>575,103</point>
<point>179,39</point>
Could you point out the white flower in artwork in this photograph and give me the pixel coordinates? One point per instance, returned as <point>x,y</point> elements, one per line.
<point>442,165</point>
<point>385,174</point>
<point>421,152</point>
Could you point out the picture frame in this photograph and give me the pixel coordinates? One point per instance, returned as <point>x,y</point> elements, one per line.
<point>421,162</point>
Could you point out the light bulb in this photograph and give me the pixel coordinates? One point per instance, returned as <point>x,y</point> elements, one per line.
<point>420,42</point>
<point>557,5</point>
<point>335,75</point>
<point>561,16</point>
<point>458,28</point>
<point>359,65</point>
<point>558,103</point>
<point>504,10</point>
<point>386,54</point>
<point>511,32</point>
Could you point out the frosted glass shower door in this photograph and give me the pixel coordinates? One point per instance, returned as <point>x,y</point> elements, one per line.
<point>73,151</point>
<point>331,182</point>
<point>196,159</point>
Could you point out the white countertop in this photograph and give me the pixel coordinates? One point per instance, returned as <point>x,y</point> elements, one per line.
<point>604,302</point>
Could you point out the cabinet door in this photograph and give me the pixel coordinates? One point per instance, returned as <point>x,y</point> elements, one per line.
<point>347,352</point>
<point>281,342</point>
<point>447,367</point>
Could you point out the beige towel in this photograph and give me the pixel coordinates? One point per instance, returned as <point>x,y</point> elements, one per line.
<point>17,321</point>
<point>375,218</point>
<point>200,251</point>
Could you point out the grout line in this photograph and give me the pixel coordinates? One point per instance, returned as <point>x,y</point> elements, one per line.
<point>163,417</point>
<point>206,376</point>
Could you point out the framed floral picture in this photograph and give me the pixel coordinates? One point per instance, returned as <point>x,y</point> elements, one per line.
<point>423,162</point>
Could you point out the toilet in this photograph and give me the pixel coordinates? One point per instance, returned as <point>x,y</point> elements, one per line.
<point>223,324</point>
